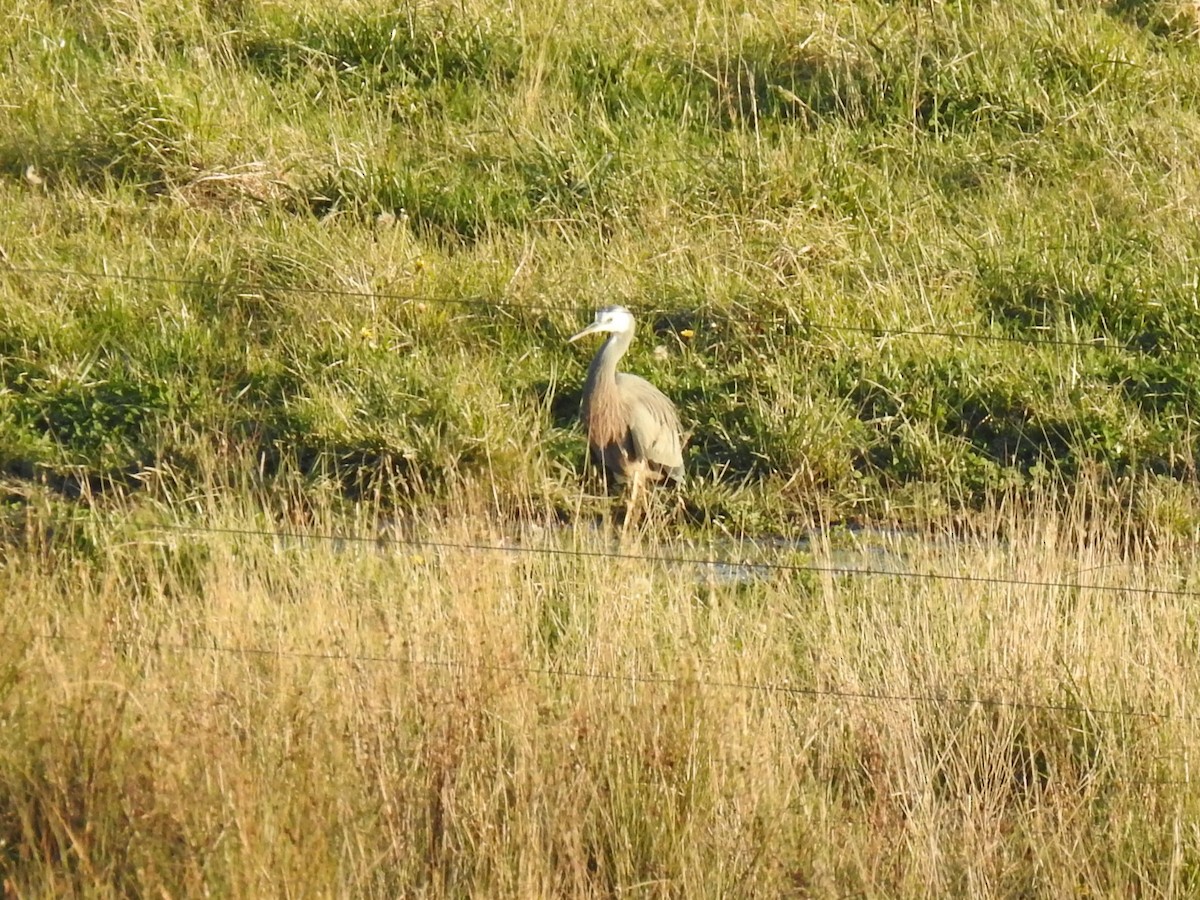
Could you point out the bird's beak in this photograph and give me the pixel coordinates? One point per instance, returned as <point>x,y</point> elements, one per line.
<point>591,329</point>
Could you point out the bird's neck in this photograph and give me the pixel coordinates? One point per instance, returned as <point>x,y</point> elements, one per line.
<point>604,363</point>
<point>602,373</point>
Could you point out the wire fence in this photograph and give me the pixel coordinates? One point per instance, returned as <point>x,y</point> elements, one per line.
<point>494,303</point>
<point>783,688</point>
<point>712,562</point>
<point>726,563</point>
<point>967,701</point>
<point>771,688</point>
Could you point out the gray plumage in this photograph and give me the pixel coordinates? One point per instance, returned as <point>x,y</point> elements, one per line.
<point>633,429</point>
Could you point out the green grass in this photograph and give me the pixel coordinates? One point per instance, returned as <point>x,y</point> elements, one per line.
<point>313,266</point>
<point>1010,170</point>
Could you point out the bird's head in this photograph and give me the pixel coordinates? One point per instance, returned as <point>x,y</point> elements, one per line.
<point>609,319</point>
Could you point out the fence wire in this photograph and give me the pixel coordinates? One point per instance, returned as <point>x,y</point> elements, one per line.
<point>713,562</point>
<point>979,701</point>
<point>245,287</point>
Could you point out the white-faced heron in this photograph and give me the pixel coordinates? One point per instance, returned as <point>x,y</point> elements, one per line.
<point>633,429</point>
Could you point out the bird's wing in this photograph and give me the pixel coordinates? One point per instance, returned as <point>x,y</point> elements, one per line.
<point>653,422</point>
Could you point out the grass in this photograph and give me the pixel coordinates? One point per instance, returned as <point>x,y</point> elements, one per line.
<point>312,266</point>
<point>213,710</point>
<point>770,184</point>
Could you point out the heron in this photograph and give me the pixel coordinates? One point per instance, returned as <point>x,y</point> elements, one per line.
<point>632,427</point>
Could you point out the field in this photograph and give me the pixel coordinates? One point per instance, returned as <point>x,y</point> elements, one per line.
<point>308,591</point>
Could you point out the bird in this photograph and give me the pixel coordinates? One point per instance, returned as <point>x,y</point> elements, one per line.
<point>632,427</point>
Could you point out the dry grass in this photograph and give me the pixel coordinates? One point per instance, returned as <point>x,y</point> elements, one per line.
<point>229,713</point>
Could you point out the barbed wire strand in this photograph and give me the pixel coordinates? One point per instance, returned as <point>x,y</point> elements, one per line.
<point>1102,343</point>
<point>761,687</point>
<point>815,693</point>
<point>262,288</point>
<point>714,562</point>
<point>762,565</point>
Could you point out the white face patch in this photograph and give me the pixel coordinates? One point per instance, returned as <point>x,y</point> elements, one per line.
<point>614,318</point>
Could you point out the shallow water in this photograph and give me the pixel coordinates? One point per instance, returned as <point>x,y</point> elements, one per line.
<point>722,559</point>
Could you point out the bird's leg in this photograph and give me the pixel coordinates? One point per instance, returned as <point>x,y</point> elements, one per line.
<point>631,505</point>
